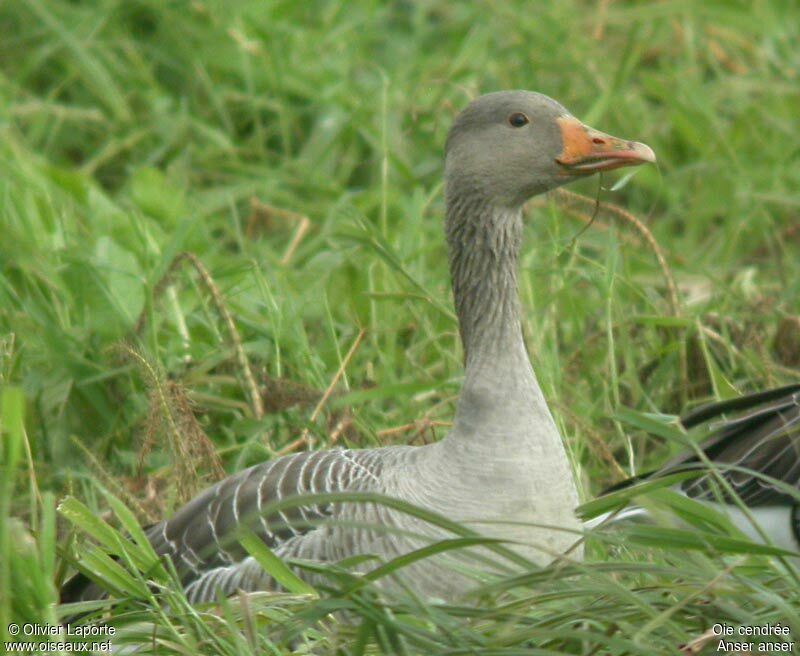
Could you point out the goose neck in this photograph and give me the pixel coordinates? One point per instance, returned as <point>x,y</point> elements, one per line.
<point>484,243</point>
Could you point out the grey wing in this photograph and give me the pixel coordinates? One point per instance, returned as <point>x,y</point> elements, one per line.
<point>202,537</point>
<point>765,440</point>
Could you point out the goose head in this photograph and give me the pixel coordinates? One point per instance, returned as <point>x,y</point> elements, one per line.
<point>508,146</point>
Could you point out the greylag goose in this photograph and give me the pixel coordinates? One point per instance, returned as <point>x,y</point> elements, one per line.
<point>502,469</point>
<point>757,453</point>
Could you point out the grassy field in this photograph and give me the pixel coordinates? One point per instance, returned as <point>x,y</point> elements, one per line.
<point>294,149</point>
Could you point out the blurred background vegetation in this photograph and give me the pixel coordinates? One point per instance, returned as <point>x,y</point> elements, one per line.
<point>295,149</point>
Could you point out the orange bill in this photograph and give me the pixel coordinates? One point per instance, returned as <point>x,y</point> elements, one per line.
<point>588,151</point>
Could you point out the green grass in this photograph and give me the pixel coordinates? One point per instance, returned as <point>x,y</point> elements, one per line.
<point>133,131</point>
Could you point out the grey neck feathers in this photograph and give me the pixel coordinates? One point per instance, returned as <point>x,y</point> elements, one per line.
<point>484,244</point>
<point>500,389</point>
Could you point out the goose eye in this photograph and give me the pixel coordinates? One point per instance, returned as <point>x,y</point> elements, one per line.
<point>518,119</point>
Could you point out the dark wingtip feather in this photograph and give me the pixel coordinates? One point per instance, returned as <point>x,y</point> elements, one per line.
<point>714,409</point>
<point>774,415</point>
<point>74,589</point>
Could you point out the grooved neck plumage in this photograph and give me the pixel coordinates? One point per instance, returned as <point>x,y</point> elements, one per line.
<point>484,242</point>
<point>500,392</point>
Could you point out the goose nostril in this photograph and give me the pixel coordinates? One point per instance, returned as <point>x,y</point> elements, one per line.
<point>598,140</point>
